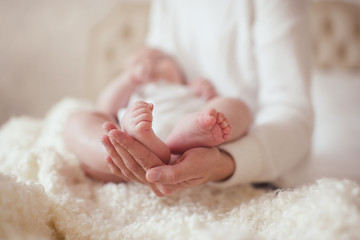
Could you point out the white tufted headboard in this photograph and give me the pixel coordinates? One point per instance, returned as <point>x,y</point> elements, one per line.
<point>112,40</point>
<point>335,25</point>
<point>336,32</point>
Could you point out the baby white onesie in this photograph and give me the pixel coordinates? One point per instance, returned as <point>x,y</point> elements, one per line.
<point>171,103</point>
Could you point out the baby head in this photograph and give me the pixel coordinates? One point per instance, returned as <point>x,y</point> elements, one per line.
<point>156,65</point>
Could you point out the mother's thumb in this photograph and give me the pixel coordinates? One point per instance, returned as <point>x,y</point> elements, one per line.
<point>168,174</point>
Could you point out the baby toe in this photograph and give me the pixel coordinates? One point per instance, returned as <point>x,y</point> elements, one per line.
<point>224,123</point>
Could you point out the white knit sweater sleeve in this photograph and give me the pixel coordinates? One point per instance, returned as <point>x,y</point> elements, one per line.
<point>282,129</point>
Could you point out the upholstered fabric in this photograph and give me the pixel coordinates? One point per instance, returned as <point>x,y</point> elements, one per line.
<point>336,31</point>
<point>112,40</point>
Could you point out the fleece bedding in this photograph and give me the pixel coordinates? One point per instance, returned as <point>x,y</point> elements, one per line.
<point>45,195</point>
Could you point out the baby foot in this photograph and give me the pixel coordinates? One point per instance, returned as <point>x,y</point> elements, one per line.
<point>137,122</point>
<point>137,119</point>
<point>202,129</point>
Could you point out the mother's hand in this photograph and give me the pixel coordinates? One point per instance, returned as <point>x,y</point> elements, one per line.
<point>132,161</point>
<point>196,166</point>
<point>128,158</point>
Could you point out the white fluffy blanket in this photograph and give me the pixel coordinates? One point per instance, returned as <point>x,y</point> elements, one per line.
<point>45,195</point>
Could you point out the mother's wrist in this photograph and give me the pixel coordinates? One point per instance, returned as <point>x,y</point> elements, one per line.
<point>225,168</point>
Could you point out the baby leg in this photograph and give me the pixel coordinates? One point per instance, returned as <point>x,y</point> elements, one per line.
<point>82,135</point>
<point>207,128</point>
<point>237,113</point>
<point>137,122</point>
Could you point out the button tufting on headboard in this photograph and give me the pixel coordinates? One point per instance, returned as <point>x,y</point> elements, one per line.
<point>336,32</point>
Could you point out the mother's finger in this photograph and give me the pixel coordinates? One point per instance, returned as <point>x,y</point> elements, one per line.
<point>126,162</point>
<point>114,169</point>
<point>137,178</point>
<point>116,164</point>
<point>168,189</point>
<point>155,189</point>
<point>108,126</point>
<point>142,155</point>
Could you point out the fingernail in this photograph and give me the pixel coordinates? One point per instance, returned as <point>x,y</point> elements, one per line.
<point>157,176</point>
<point>108,159</point>
<point>153,176</point>
<point>114,140</point>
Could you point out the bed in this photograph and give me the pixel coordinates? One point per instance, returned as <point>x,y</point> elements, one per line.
<point>45,195</point>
